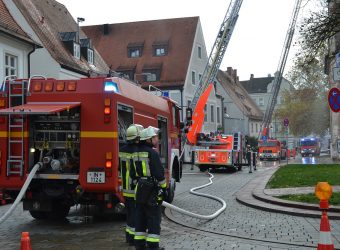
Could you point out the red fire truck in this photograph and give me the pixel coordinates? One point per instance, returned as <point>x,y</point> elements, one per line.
<point>272,149</point>
<point>221,151</point>
<point>74,128</point>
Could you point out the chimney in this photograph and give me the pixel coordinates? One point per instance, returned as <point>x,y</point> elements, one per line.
<point>234,75</point>
<point>251,76</point>
<point>106,29</point>
<point>229,71</point>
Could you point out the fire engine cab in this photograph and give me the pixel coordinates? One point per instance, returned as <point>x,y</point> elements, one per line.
<point>73,129</point>
<point>220,151</point>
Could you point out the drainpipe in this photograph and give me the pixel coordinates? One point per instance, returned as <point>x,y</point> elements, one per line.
<point>29,61</point>
<point>181,90</point>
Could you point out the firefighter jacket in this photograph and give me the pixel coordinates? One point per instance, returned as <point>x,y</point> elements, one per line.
<point>127,171</point>
<point>148,164</point>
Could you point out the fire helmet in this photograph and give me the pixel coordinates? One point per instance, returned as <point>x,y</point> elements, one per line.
<point>148,133</point>
<point>133,131</point>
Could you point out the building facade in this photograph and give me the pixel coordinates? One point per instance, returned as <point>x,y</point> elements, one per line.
<point>16,46</point>
<point>260,90</point>
<point>66,52</point>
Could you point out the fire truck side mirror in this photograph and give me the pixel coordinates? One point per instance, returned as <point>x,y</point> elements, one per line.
<point>189,114</point>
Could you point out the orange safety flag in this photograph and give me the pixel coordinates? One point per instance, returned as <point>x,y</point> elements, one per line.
<point>198,116</point>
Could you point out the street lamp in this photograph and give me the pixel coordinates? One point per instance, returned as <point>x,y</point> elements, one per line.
<point>79,20</point>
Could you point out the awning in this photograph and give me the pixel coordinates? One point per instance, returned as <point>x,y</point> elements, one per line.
<point>39,108</point>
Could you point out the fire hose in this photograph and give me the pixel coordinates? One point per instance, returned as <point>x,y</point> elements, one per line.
<point>22,192</point>
<point>199,216</point>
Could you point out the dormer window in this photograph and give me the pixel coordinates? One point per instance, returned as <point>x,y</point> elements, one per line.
<point>76,50</point>
<point>152,72</point>
<point>90,56</point>
<point>160,48</point>
<point>135,50</point>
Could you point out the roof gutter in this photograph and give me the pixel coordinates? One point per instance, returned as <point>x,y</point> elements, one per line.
<point>87,74</point>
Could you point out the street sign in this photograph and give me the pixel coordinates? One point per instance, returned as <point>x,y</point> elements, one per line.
<point>334,99</point>
<point>336,74</point>
<point>286,122</point>
<point>264,138</point>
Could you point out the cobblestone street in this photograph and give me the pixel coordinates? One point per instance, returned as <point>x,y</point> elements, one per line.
<point>238,227</point>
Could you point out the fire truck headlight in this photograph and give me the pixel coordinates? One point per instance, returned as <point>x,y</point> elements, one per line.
<point>111,87</point>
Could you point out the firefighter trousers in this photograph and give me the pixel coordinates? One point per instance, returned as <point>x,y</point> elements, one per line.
<point>148,226</point>
<point>130,219</point>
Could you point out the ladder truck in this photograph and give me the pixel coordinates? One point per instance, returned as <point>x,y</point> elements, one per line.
<point>264,132</point>
<point>220,150</point>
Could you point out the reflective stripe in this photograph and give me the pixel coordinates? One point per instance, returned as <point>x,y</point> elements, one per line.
<point>129,195</point>
<point>162,183</point>
<point>130,230</point>
<point>144,168</point>
<point>153,238</point>
<point>325,238</point>
<point>140,236</point>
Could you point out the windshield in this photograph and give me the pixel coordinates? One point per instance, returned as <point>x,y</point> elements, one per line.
<point>268,144</point>
<point>309,143</point>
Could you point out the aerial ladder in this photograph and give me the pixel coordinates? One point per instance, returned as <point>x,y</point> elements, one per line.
<point>208,77</point>
<point>264,131</point>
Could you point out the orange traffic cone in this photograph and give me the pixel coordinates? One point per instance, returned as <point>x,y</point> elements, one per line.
<point>25,241</point>
<point>325,241</point>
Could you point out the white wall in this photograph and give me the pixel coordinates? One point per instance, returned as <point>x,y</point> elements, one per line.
<point>16,48</point>
<point>42,63</point>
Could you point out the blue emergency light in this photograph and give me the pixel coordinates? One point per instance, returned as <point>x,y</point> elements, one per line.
<point>111,87</point>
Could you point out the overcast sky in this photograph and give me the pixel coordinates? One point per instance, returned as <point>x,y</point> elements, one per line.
<point>255,46</point>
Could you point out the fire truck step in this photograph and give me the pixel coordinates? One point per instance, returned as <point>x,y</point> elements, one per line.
<point>10,160</point>
<point>16,126</point>
<point>15,141</point>
<point>13,95</point>
<point>15,157</point>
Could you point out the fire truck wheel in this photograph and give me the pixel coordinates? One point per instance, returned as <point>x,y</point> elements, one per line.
<point>39,215</point>
<point>202,168</point>
<point>59,211</point>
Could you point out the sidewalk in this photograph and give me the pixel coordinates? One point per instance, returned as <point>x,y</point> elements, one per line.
<point>255,195</point>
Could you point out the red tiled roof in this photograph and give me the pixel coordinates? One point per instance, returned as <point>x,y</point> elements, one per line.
<point>48,18</point>
<point>10,26</point>
<point>178,33</point>
<point>230,83</point>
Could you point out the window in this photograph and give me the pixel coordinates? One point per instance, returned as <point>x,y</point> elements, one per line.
<point>90,56</point>
<point>218,114</point>
<point>160,51</point>
<point>193,77</point>
<point>252,128</point>
<point>199,51</point>
<point>76,50</point>
<point>135,52</point>
<point>256,129</point>
<point>199,77</point>
<point>212,117</point>
<point>11,65</point>
<point>152,75</point>
<point>261,101</point>
<point>205,113</point>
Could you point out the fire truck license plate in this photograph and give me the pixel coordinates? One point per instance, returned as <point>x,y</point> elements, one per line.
<point>95,177</point>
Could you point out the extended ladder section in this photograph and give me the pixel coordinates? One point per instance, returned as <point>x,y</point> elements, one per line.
<point>218,50</point>
<point>237,141</point>
<point>278,75</point>
<point>15,149</point>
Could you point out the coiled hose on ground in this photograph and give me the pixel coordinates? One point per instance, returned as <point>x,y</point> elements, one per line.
<point>21,193</point>
<point>199,216</point>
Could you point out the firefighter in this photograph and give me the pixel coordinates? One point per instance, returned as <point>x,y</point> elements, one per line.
<point>128,176</point>
<point>150,191</point>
